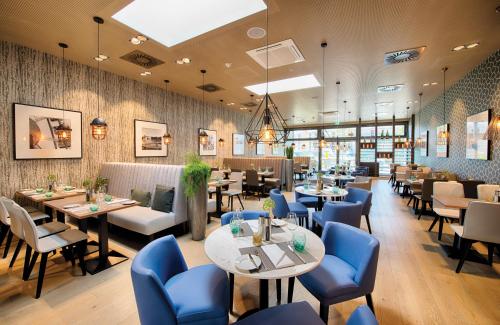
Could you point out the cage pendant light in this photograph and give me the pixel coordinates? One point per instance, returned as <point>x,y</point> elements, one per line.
<point>419,138</point>
<point>98,124</point>
<point>203,136</point>
<point>322,141</point>
<point>63,131</point>
<point>167,138</point>
<point>493,132</point>
<point>267,125</point>
<point>443,134</point>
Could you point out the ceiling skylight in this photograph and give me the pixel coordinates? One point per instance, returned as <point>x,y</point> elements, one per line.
<point>171,22</point>
<point>279,86</point>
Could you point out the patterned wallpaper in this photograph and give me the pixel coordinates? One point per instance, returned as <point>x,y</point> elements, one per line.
<point>478,91</point>
<point>31,77</point>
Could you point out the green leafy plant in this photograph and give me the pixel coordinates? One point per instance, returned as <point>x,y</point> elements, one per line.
<point>87,183</point>
<point>196,172</point>
<point>289,152</point>
<point>51,178</point>
<point>100,182</point>
<point>268,205</point>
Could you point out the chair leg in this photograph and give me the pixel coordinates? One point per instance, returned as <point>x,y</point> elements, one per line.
<point>278,291</point>
<point>41,274</point>
<point>424,203</point>
<point>82,247</point>
<point>231,292</point>
<point>27,258</point>
<point>436,219</point>
<point>232,199</point>
<point>369,302</point>
<point>323,312</point>
<point>440,233</point>
<point>241,203</point>
<point>4,229</point>
<point>491,247</point>
<point>465,250</point>
<point>291,283</point>
<point>409,201</point>
<point>7,244</point>
<point>367,217</point>
<point>32,264</point>
<point>16,252</point>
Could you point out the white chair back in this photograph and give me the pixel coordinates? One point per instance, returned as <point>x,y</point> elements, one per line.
<point>4,214</point>
<point>29,227</point>
<point>238,177</point>
<point>426,170</point>
<point>486,192</point>
<point>446,189</point>
<point>16,221</point>
<point>482,222</point>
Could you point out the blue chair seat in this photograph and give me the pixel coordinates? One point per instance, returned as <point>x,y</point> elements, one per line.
<point>298,313</point>
<point>318,218</point>
<point>332,278</point>
<point>308,201</point>
<point>298,208</point>
<point>362,316</point>
<point>199,294</point>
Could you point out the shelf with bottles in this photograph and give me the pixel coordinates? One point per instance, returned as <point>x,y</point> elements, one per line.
<point>367,143</point>
<point>385,155</point>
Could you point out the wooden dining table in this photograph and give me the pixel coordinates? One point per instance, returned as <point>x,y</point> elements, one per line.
<point>106,258</point>
<point>453,202</point>
<point>39,198</point>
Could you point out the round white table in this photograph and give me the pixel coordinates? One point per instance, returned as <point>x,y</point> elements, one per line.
<point>327,192</point>
<point>338,179</point>
<point>222,248</point>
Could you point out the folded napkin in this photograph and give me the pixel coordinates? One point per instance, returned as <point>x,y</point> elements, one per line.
<point>117,201</point>
<point>277,256</point>
<point>80,208</point>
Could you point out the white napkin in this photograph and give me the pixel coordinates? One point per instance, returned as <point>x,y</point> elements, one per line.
<point>79,208</point>
<point>276,255</point>
<point>117,201</point>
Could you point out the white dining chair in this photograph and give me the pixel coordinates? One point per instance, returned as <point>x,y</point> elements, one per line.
<point>486,192</point>
<point>36,215</point>
<point>482,223</point>
<point>67,240</point>
<point>453,189</point>
<point>16,226</point>
<point>235,189</point>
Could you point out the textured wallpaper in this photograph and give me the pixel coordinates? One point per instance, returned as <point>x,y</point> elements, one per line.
<point>478,91</point>
<point>31,77</point>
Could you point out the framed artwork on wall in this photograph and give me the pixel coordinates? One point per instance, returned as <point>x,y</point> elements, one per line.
<point>261,148</point>
<point>209,148</point>
<point>442,145</point>
<point>238,144</point>
<point>148,139</point>
<point>477,126</point>
<point>424,144</point>
<point>35,133</point>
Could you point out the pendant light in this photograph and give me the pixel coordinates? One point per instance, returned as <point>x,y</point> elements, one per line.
<point>167,138</point>
<point>419,138</point>
<point>443,135</point>
<point>322,141</point>
<point>408,143</point>
<point>63,131</point>
<point>267,125</point>
<point>203,136</point>
<point>493,132</point>
<point>98,124</point>
<point>338,103</point>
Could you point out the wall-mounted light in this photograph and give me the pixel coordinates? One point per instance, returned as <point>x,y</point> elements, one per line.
<point>221,142</point>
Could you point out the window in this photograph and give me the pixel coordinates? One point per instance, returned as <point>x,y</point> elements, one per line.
<point>347,153</point>
<point>340,132</point>
<point>329,156</point>
<point>303,134</point>
<point>306,148</point>
<point>367,131</point>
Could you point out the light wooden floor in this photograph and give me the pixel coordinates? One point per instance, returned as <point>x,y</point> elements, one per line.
<point>416,282</point>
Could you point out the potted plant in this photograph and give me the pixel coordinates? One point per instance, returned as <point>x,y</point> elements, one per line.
<point>194,178</point>
<point>87,184</point>
<point>51,178</point>
<point>289,152</point>
<point>268,206</point>
<point>289,168</point>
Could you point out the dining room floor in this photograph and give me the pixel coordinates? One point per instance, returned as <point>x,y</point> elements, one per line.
<point>416,282</point>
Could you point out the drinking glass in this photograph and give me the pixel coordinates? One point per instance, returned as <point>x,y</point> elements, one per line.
<point>235,223</point>
<point>108,198</point>
<point>292,222</point>
<point>257,237</point>
<point>299,241</point>
<point>93,207</point>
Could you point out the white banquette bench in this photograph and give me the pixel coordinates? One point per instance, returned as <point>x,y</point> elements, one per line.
<point>123,177</point>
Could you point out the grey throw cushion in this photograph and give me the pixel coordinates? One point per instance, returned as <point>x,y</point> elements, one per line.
<point>143,197</point>
<point>163,199</point>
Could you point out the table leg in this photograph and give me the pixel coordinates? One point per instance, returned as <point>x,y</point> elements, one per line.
<point>49,212</point>
<point>218,197</point>
<point>263,293</point>
<point>92,246</point>
<point>61,216</point>
<point>291,283</point>
<point>320,203</point>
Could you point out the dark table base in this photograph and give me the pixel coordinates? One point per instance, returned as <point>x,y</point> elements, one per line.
<point>94,265</point>
<point>472,256</point>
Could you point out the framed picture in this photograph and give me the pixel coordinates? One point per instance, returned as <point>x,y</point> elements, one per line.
<point>209,148</point>
<point>238,144</point>
<point>261,148</point>
<point>424,144</point>
<point>442,150</point>
<point>477,126</point>
<point>148,139</point>
<point>35,137</point>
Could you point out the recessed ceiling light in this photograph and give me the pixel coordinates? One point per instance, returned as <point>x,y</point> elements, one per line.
<point>228,64</point>
<point>139,39</point>
<point>458,48</point>
<point>472,45</point>
<point>390,88</point>
<point>426,84</point>
<point>256,32</point>
<point>183,61</point>
<point>283,85</point>
<point>243,108</point>
<point>230,104</point>
<point>433,83</point>
<point>171,22</point>
<point>145,73</point>
<point>101,57</point>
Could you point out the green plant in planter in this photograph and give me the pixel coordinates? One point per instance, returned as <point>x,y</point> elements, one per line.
<point>87,183</point>
<point>100,182</point>
<point>268,205</point>
<point>51,178</point>
<point>289,152</point>
<point>196,172</point>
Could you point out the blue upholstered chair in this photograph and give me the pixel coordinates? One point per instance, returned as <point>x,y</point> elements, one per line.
<point>348,269</point>
<point>298,313</point>
<point>166,292</point>
<point>360,171</point>
<point>362,316</point>
<point>307,200</point>
<point>364,196</point>
<point>283,207</point>
<point>348,213</point>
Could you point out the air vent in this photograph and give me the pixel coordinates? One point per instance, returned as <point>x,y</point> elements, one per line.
<point>210,88</point>
<point>403,55</point>
<point>249,104</point>
<point>389,88</point>
<point>142,59</point>
<point>280,54</point>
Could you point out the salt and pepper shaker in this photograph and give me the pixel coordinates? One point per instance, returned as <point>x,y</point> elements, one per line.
<point>267,229</point>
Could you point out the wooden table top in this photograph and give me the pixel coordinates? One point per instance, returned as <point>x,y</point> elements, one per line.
<point>55,195</point>
<point>223,182</point>
<point>453,202</point>
<point>104,207</point>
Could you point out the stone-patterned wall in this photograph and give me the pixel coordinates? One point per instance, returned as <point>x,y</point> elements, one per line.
<point>31,77</point>
<point>478,91</point>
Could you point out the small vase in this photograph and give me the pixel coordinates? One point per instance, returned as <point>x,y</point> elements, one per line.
<point>88,195</point>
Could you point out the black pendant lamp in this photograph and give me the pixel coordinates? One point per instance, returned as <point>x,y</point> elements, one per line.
<point>63,131</point>
<point>443,135</point>
<point>203,136</point>
<point>98,124</point>
<point>267,125</point>
<point>322,141</point>
<point>167,138</point>
<point>419,138</point>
